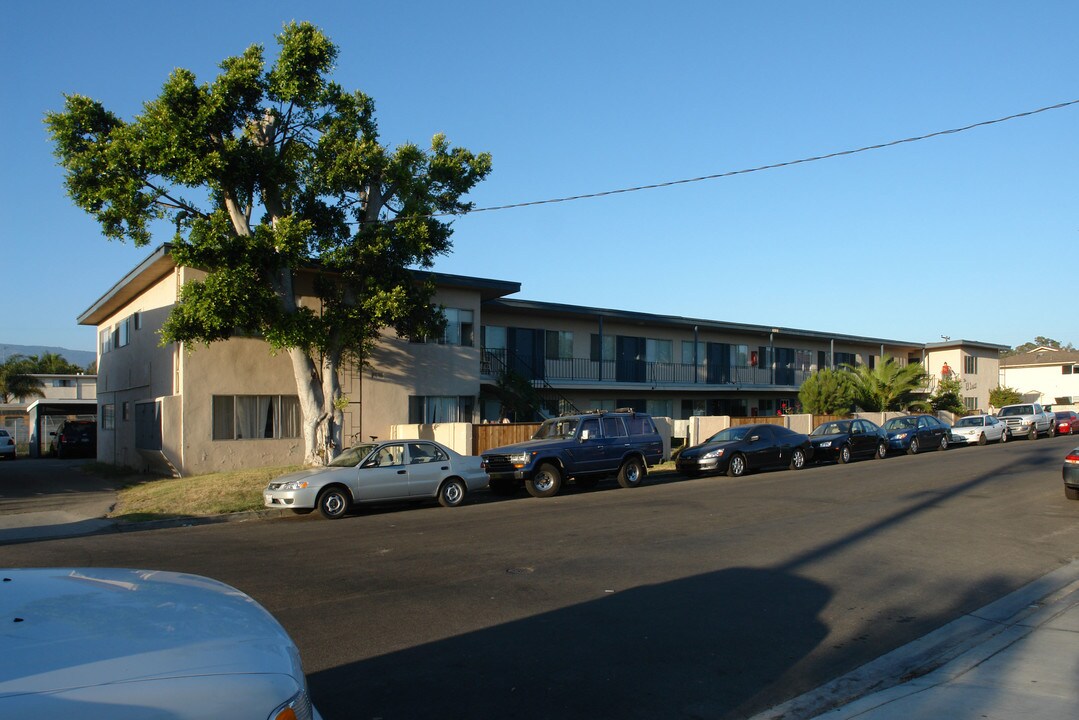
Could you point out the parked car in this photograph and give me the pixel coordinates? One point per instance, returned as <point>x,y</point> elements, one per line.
<point>914,433</point>
<point>585,447</point>
<point>1028,419</point>
<point>1067,422</point>
<point>1071,475</point>
<point>99,644</point>
<point>738,450</point>
<point>74,438</point>
<point>379,472</point>
<point>844,440</point>
<point>979,429</point>
<point>7,445</point>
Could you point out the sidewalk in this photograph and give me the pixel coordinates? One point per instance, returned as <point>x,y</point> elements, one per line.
<point>1015,658</point>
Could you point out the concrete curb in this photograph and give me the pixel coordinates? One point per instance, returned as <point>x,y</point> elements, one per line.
<point>946,653</point>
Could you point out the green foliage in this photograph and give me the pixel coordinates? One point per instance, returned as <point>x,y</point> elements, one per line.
<point>949,396</point>
<point>827,392</point>
<point>1039,341</point>
<point>889,386</point>
<point>16,382</point>
<point>517,396</point>
<point>1003,395</point>
<point>266,172</point>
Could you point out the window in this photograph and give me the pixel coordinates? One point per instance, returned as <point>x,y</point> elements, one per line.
<point>970,364</point>
<point>658,351</point>
<point>105,340</point>
<point>125,411</point>
<point>494,337</point>
<point>845,359</point>
<point>970,403</point>
<point>559,345</point>
<point>1069,369</point>
<point>423,453</point>
<point>693,407</point>
<point>458,327</point>
<point>600,405</point>
<point>803,360</point>
<point>431,409</point>
<point>108,417</point>
<point>659,408</point>
<point>613,427</point>
<point>604,343</point>
<point>255,417</point>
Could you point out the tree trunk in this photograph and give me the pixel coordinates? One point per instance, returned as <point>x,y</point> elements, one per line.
<point>312,402</point>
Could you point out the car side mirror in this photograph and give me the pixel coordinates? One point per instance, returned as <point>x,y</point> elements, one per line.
<point>754,438</point>
<point>585,435</point>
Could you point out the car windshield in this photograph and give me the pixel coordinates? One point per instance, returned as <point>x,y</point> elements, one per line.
<point>352,456</point>
<point>970,422</point>
<point>734,433</point>
<point>558,428</point>
<point>902,423</point>
<point>1017,410</point>
<point>1064,415</point>
<point>832,428</point>
<point>3,433</point>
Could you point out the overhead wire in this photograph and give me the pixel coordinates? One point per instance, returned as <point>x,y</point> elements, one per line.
<point>761,168</point>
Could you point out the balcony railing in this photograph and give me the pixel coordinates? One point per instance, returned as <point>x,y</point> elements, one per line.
<point>583,370</point>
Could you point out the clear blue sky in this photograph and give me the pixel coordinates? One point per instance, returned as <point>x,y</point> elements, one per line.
<point>971,235</point>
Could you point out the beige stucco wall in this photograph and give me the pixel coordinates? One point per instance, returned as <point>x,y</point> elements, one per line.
<point>977,385</point>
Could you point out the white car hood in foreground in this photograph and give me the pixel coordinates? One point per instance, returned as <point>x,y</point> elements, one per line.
<point>115,643</point>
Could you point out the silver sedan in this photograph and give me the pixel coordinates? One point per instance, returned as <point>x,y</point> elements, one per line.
<point>979,429</point>
<point>379,472</point>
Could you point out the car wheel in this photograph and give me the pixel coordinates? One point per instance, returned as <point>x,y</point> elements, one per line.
<point>737,468</point>
<point>1052,431</point>
<point>913,449</point>
<point>844,454</point>
<point>1071,493</point>
<point>1033,434</point>
<point>882,451</point>
<point>1004,436</point>
<point>943,442</point>
<point>452,493</point>
<point>546,482</point>
<point>631,474</point>
<point>798,459</point>
<point>333,503</point>
<point>981,439</point>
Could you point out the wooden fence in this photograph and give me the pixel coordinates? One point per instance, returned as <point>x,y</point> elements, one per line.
<point>485,437</point>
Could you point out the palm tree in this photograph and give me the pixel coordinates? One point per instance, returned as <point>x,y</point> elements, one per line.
<point>888,386</point>
<point>16,382</point>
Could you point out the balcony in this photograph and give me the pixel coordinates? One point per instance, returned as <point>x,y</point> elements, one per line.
<point>583,371</point>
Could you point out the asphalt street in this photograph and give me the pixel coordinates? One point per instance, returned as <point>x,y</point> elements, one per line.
<point>714,597</point>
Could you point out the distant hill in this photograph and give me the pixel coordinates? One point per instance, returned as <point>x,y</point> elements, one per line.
<point>82,358</point>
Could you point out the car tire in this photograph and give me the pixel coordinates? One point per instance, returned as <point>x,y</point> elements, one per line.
<point>452,493</point>
<point>981,439</point>
<point>1071,493</point>
<point>1033,434</point>
<point>798,459</point>
<point>844,454</point>
<point>333,503</point>
<point>737,466</point>
<point>546,481</point>
<point>943,443</point>
<point>882,451</point>
<point>632,473</point>
<point>913,448</point>
<point>1052,431</point>
<point>1004,436</point>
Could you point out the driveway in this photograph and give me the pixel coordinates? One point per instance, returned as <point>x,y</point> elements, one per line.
<point>48,497</point>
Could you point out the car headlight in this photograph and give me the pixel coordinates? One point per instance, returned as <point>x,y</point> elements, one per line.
<point>712,454</point>
<point>293,485</point>
<point>298,707</point>
<point>519,460</point>
<point>826,443</point>
<point>900,436</point>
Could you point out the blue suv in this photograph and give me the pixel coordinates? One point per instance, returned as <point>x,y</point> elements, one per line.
<point>583,447</point>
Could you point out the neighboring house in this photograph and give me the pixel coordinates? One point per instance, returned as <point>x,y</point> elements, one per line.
<point>974,364</point>
<point>233,404</point>
<point>1046,375</point>
<point>31,420</point>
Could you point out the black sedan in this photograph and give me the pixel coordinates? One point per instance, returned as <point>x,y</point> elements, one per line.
<point>914,433</point>
<point>738,450</point>
<point>1071,475</point>
<point>844,440</point>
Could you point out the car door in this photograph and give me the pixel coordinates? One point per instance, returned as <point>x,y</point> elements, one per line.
<point>761,449</point>
<point>383,476</point>
<point>616,441</point>
<point>428,466</point>
<point>930,431</point>
<point>590,448</point>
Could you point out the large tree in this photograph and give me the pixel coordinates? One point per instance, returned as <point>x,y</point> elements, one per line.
<point>827,392</point>
<point>266,173</point>
<point>16,381</point>
<point>888,386</point>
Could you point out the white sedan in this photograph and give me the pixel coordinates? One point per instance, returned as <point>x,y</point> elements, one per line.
<point>979,429</point>
<point>107,643</point>
<point>379,472</point>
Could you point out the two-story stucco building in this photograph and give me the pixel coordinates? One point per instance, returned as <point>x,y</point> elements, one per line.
<point>234,404</point>
<point>1046,375</point>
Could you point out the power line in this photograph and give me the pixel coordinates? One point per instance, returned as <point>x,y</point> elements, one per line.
<point>774,166</point>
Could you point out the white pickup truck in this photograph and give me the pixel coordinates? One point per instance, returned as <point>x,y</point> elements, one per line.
<point>1028,419</point>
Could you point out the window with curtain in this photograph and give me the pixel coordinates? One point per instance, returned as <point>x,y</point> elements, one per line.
<point>255,417</point>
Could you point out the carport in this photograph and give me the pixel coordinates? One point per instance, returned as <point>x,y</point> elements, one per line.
<point>45,415</point>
